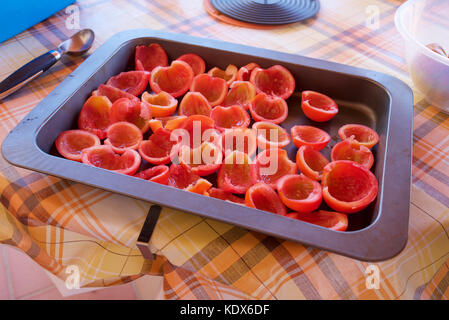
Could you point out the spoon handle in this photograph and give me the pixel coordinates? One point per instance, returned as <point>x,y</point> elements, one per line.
<point>28,72</point>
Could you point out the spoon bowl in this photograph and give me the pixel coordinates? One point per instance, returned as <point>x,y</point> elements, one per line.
<point>79,43</point>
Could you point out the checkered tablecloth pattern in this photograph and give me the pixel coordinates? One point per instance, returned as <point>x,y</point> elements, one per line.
<point>60,223</point>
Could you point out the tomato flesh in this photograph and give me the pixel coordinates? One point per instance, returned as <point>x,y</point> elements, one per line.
<point>112,93</point>
<point>161,104</point>
<point>158,149</point>
<point>201,186</point>
<point>241,93</point>
<point>275,81</point>
<point>133,111</point>
<point>230,117</point>
<point>229,74</point>
<point>234,175</point>
<point>239,139</point>
<point>195,61</point>
<point>71,143</point>
<point>309,136</point>
<point>103,156</point>
<point>203,160</point>
<point>362,135</point>
<point>194,103</point>
<point>175,79</point>
<point>149,57</point>
<point>269,109</point>
<point>311,162</point>
<point>157,174</point>
<point>181,177</point>
<point>347,150</point>
<point>318,107</point>
<point>132,82</point>
<point>332,220</point>
<point>244,73</point>
<point>193,128</point>
<point>123,135</point>
<point>299,193</point>
<point>261,196</point>
<point>270,135</point>
<point>214,89</point>
<point>94,116</point>
<point>224,195</point>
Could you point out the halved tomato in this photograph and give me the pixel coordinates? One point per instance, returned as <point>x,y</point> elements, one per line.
<point>268,108</point>
<point>309,136</point>
<point>348,150</point>
<point>194,103</point>
<point>234,175</point>
<point>200,186</point>
<point>311,162</point>
<point>112,93</point>
<point>123,135</point>
<point>241,93</point>
<point>149,57</point>
<point>159,148</point>
<point>133,111</point>
<point>363,135</point>
<point>224,195</point>
<point>328,219</point>
<point>261,196</point>
<point>348,187</point>
<point>192,128</point>
<point>318,107</point>
<point>299,193</point>
<point>94,116</point>
<point>244,73</point>
<point>175,79</point>
<point>270,135</point>
<point>271,165</point>
<point>275,81</point>
<point>230,117</point>
<point>195,62</point>
<point>203,160</point>
<point>181,177</point>
<point>161,104</point>
<point>228,75</point>
<point>132,82</point>
<point>103,156</point>
<point>169,123</point>
<point>214,89</point>
<point>239,139</point>
<point>71,143</point>
<point>157,174</point>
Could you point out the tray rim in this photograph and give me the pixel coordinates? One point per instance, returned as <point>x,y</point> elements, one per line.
<point>20,149</point>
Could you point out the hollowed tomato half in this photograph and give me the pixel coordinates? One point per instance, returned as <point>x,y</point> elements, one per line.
<point>230,117</point>
<point>195,62</point>
<point>123,135</point>
<point>133,111</point>
<point>268,108</point>
<point>149,57</point>
<point>228,75</point>
<point>194,103</point>
<point>271,165</point>
<point>261,196</point>
<point>161,104</point>
<point>112,93</point>
<point>309,136</point>
<point>234,175</point>
<point>94,116</point>
<point>192,129</point>
<point>169,123</point>
<point>299,193</point>
<point>241,93</point>
<point>244,73</point>
<point>132,82</point>
<point>158,149</point>
<point>71,143</point>
<point>214,89</point>
<point>157,174</point>
<point>104,157</point>
<point>275,81</point>
<point>200,186</point>
<point>347,150</point>
<point>239,139</point>
<point>224,195</point>
<point>181,177</point>
<point>203,160</point>
<point>311,162</point>
<point>318,107</point>
<point>333,220</point>
<point>175,79</point>
<point>348,187</point>
<point>270,135</point>
<point>362,135</point>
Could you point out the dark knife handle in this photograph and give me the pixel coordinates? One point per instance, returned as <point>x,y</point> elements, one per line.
<point>28,72</point>
<point>147,231</point>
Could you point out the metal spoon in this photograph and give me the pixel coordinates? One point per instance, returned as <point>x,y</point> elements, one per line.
<point>78,44</point>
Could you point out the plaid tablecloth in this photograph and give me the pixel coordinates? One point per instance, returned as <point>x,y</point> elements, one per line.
<point>60,223</point>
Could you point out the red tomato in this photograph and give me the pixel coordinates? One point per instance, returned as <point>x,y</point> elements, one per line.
<point>241,93</point>
<point>244,73</point>
<point>175,79</point>
<point>299,192</point>
<point>310,162</point>
<point>261,196</point>
<point>227,75</point>
<point>348,187</point>
<point>104,157</point>
<point>348,150</point>
<point>161,104</point>
<point>234,174</point>
<point>157,174</point>
<point>230,117</point>
<point>94,116</point>
<point>271,165</point>
<point>214,89</point>
<point>201,186</point>
<point>275,81</point>
<point>159,148</point>
<point>133,111</point>
<point>71,143</point>
<point>361,134</point>
<point>132,82</point>
<point>224,195</point>
<point>194,129</point>
<point>270,135</point>
<point>203,160</point>
<point>309,136</point>
<point>123,135</point>
<point>195,61</point>
<point>194,103</point>
<point>181,177</point>
<point>318,107</point>
<point>328,219</point>
<point>239,139</point>
<point>149,57</point>
<point>268,108</point>
<point>112,93</point>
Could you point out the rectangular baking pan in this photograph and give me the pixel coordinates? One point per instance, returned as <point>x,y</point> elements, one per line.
<point>366,97</point>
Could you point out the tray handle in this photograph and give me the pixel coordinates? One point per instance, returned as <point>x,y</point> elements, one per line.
<point>147,231</point>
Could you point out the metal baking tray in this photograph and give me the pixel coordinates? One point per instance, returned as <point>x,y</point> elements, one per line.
<point>364,96</point>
